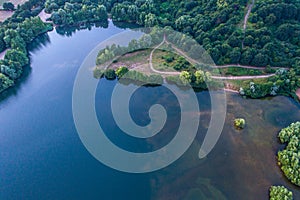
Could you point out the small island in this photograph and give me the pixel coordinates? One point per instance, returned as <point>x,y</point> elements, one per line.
<point>239,123</point>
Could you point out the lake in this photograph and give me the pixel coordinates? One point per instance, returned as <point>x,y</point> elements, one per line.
<point>42,157</point>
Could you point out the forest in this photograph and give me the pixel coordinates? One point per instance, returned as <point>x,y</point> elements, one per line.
<point>270,39</point>
<point>288,158</point>
<point>16,33</point>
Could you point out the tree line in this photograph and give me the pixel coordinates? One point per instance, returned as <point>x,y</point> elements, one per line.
<point>16,33</point>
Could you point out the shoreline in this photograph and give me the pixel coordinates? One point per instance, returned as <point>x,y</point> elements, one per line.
<point>298,93</point>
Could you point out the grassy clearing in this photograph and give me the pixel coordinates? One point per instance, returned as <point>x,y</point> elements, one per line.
<point>132,60</point>
<point>238,71</point>
<point>237,84</point>
<point>165,60</point>
<point>160,61</point>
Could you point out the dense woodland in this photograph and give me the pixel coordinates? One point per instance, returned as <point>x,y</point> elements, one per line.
<point>75,12</point>
<point>16,33</point>
<point>271,38</point>
<point>289,158</point>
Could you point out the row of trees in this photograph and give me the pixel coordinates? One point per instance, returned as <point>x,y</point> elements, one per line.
<point>285,83</point>
<point>16,33</point>
<point>289,158</point>
<point>127,76</point>
<point>111,52</point>
<point>198,79</point>
<point>8,6</point>
<point>75,12</point>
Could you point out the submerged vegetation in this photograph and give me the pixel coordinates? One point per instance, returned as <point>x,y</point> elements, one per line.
<point>288,159</point>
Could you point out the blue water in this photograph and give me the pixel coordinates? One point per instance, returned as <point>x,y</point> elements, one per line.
<point>42,157</point>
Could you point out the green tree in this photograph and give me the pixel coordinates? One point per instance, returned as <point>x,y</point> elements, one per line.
<point>121,71</point>
<point>185,77</point>
<point>280,193</point>
<point>110,74</point>
<point>8,6</point>
<point>199,76</point>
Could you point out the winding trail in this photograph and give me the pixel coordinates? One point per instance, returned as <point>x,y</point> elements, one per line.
<point>242,77</point>
<point>151,64</point>
<point>196,62</point>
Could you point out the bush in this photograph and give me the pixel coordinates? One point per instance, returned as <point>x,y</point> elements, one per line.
<point>280,193</point>
<point>288,159</point>
<point>110,74</point>
<point>239,123</point>
<point>8,6</point>
<point>121,71</point>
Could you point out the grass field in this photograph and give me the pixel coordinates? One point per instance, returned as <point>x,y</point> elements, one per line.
<point>237,71</point>
<point>132,60</point>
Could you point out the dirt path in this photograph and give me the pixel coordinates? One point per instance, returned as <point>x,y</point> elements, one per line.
<point>250,6</point>
<point>44,16</point>
<point>151,64</point>
<point>196,62</point>
<point>2,54</point>
<point>248,14</point>
<point>241,77</point>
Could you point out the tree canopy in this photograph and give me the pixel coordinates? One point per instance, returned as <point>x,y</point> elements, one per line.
<point>288,159</point>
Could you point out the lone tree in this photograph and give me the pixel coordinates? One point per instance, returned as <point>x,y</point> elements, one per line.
<point>239,123</point>
<point>8,6</point>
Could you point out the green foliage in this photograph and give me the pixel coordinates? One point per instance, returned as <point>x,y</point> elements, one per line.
<point>280,193</point>
<point>16,33</point>
<point>8,6</point>
<point>239,123</point>
<point>76,12</point>
<point>5,82</point>
<point>124,75</point>
<point>98,73</point>
<point>110,74</point>
<point>152,79</point>
<point>185,77</point>
<point>111,52</point>
<point>288,159</point>
<point>121,71</point>
<point>284,83</point>
<point>271,37</point>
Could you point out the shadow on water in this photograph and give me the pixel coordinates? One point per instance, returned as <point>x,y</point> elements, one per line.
<point>70,30</point>
<point>13,91</point>
<point>38,43</point>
